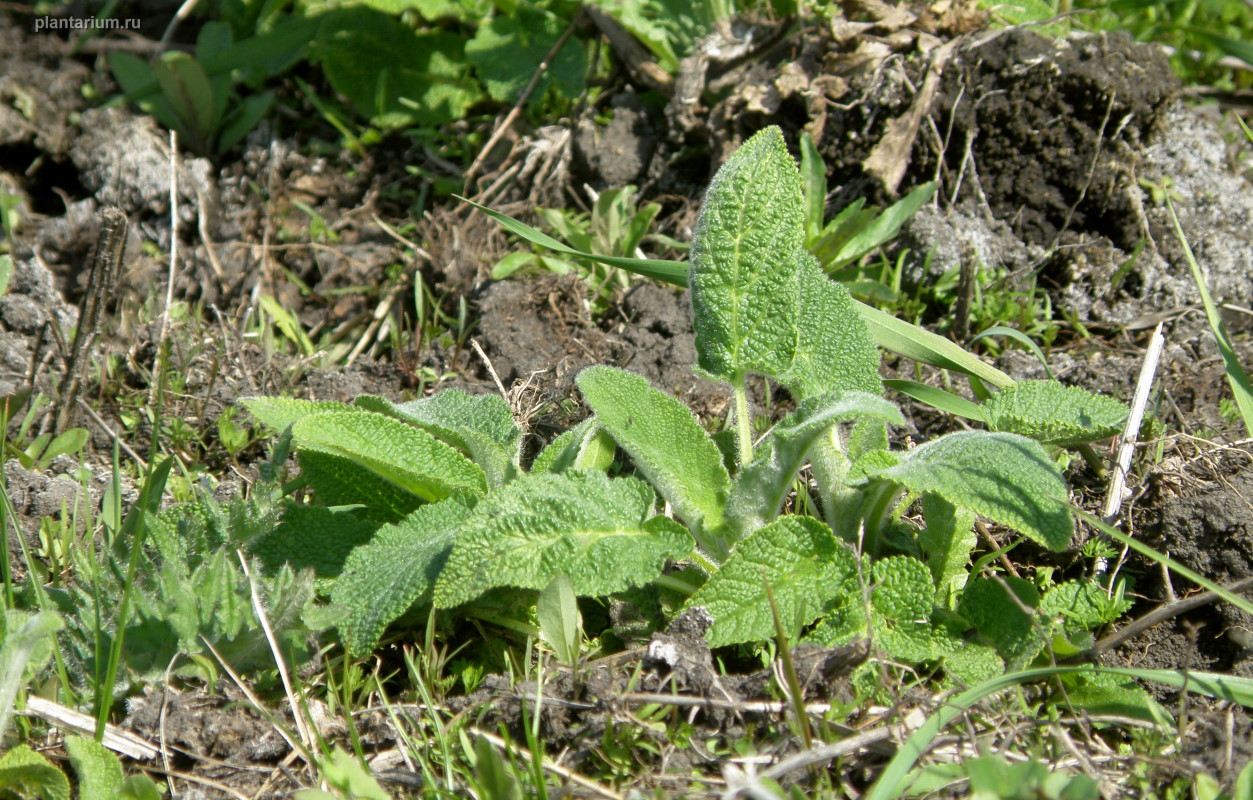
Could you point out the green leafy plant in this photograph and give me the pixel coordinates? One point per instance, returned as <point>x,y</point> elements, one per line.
<point>616,226</point>
<point>29,775</point>
<point>995,778</point>
<point>195,95</point>
<point>460,522</point>
<point>856,231</point>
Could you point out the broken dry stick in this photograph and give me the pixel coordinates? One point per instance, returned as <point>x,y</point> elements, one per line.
<point>105,266</point>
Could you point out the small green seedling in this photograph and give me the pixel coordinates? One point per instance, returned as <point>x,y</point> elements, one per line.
<point>195,96</point>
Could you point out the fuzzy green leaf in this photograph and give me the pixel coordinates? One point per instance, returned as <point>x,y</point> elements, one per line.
<point>835,351</point>
<point>762,486</point>
<point>902,589</point>
<point>1084,605</point>
<point>26,644</point>
<point>340,481</point>
<point>28,775</point>
<point>973,663</point>
<point>947,540</point>
<point>600,532</point>
<point>1002,621</point>
<point>279,412</point>
<point>395,570</point>
<point>585,446</point>
<point>745,261</point>
<point>668,446</point>
<point>398,453</point>
<point>99,773</point>
<point>807,569</point>
<point>1054,414</point>
<point>1005,477</point>
<point>314,536</point>
<point>482,427</point>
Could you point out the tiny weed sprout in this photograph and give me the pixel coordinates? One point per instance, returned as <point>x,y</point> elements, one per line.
<point>430,504</point>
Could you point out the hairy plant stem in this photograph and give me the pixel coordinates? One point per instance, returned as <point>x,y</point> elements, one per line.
<point>743,423</point>
<point>841,504</point>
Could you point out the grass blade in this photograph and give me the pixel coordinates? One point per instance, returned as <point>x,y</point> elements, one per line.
<point>937,398</point>
<point>1144,550</point>
<point>674,272</point>
<point>890,783</point>
<point>1236,376</point>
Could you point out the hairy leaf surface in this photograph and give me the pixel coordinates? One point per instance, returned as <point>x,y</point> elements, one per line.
<point>948,539</point>
<point>762,486</point>
<point>319,537</point>
<point>29,775</point>
<point>1005,477</point>
<point>988,606</point>
<point>600,532</point>
<point>902,589</point>
<point>279,412</point>
<point>340,481</point>
<point>397,569</point>
<point>585,446</point>
<point>806,567</point>
<point>398,453</point>
<point>745,262</point>
<point>99,773</point>
<point>835,351</point>
<point>667,445</point>
<point>482,427</point>
<point>1054,414</point>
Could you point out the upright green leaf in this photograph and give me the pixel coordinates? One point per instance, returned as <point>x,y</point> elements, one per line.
<point>482,427</point>
<point>559,619</point>
<point>398,453</point>
<point>745,262</point>
<point>807,569</point>
<point>879,228</point>
<point>1237,377</point>
<point>1005,477</point>
<point>99,773</point>
<point>585,446</point>
<point>1054,414</point>
<point>835,351</point>
<point>184,83</point>
<point>947,540</point>
<point>668,446</point>
<point>762,486</point>
<point>600,532</point>
<point>395,570</point>
<point>26,644</point>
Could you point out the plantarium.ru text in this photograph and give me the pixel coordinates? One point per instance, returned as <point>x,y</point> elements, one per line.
<point>445,513</point>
